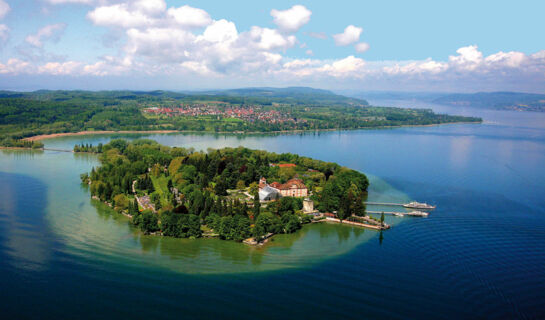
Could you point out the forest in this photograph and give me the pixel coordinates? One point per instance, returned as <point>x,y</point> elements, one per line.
<point>25,114</point>
<point>184,193</point>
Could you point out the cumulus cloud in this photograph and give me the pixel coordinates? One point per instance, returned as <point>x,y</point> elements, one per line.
<point>270,39</point>
<point>190,17</point>
<point>4,9</point>
<point>510,59</point>
<point>69,1</point>
<point>184,41</point>
<point>4,34</point>
<point>468,58</point>
<point>347,66</point>
<point>123,15</point>
<point>15,66</point>
<point>220,31</point>
<point>350,35</point>
<point>361,47</point>
<point>52,31</point>
<point>60,68</point>
<point>291,20</point>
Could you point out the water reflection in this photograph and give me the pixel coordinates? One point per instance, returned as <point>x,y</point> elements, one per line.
<point>313,243</point>
<point>460,148</point>
<point>21,154</point>
<point>23,232</point>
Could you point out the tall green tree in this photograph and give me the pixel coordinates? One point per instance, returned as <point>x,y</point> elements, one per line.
<point>257,206</point>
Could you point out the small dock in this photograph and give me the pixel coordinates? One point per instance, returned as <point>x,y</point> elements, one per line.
<point>383,226</point>
<point>399,214</point>
<point>385,204</point>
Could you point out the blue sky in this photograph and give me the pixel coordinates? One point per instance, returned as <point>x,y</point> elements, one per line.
<point>458,46</point>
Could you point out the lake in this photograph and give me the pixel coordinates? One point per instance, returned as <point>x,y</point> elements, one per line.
<point>480,254</point>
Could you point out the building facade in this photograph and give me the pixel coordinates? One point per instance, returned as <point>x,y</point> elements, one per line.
<point>292,188</point>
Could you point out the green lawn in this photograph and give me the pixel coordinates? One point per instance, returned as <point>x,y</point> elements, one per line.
<point>160,185</point>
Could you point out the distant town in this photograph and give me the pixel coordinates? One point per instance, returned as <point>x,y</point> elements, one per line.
<point>251,113</point>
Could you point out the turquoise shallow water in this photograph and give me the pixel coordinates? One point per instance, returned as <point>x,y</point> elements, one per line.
<point>480,254</point>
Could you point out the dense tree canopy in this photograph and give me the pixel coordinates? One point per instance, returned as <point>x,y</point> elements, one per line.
<point>183,192</point>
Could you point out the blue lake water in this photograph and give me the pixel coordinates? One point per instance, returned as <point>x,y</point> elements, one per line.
<point>480,254</point>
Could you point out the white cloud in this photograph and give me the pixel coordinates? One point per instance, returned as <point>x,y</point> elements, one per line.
<point>15,66</point>
<point>271,39</point>
<point>510,59</point>
<point>468,58</point>
<point>69,1</point>
<point>4,34</point>
<point>150,6</point>
<point>416,67</point>
<point>60,68</point>
<point>186,42</point>
<point>317,35</point>
<point>291,20</point>
<point>4,9</point>
<point>350,35</point>
<point>361,47</point>
<point>108,65</point>
<point>162,44</point>
<point>128,15</point>
<point>189,17</point>
<point>51,31</point>
<point>220,31</point>
<point>347,66</point>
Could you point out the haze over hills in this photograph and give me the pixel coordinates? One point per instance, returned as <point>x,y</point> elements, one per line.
<point>497,100</point>
<point>518,101</point>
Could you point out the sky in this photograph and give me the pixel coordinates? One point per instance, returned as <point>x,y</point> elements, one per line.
<point>447,46</point>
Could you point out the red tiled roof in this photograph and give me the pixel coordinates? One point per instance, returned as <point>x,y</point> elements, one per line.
<point>276,185</point>
<point>298,183</point>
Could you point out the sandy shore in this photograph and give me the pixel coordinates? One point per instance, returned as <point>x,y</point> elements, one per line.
<point>81,133</point>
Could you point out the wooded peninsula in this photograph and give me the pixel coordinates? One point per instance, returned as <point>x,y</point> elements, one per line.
<point>28,114</point>
<point>223,193</point>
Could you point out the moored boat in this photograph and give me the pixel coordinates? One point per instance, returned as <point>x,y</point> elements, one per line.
<point>419,205</point>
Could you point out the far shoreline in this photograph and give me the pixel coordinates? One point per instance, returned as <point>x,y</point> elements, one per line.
<point>105,132</point>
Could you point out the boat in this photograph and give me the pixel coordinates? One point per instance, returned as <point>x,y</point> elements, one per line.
<point>417,213</point>
<point>418,205</point>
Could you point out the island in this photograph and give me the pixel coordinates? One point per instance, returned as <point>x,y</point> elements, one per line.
<point>27,117</point>
<point>232,193</point>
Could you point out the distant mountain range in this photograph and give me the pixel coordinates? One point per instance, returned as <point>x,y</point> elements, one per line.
<point>491,100</point>
<point>497,100</point>
<point>296,95</point>
<point>263,95</point>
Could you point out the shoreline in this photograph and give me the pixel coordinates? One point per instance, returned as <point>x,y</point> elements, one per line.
<point>20,148</point>
<point>82,133</point>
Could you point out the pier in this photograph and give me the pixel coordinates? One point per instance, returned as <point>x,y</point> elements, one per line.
<point>58,150</point>
<point>385,204</point>
<point>412,213</point>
